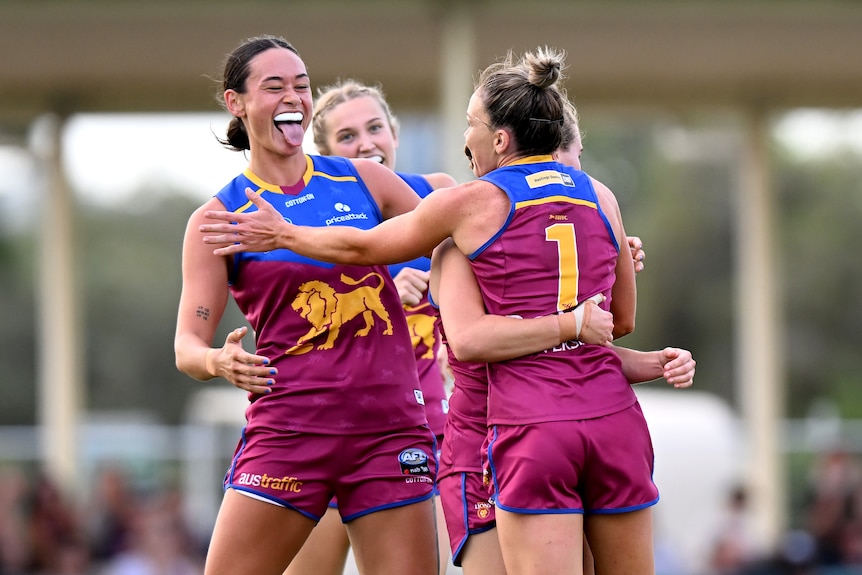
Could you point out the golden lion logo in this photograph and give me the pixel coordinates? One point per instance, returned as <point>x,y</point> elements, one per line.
<point>421,328</point>
<point>327,310</point>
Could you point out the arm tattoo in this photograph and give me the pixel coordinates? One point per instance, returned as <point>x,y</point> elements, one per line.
<point>203,312</point>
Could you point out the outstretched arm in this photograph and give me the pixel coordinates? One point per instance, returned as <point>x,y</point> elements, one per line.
<point>398,239</point>
<point>470,213</point>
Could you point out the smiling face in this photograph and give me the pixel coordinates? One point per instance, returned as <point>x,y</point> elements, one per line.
<point>276,104</point>
<point>360,128</point>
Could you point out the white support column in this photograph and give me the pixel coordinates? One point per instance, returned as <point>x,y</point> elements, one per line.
<point>59,389</point>
<point>759,377</point>
<point>458,62</point>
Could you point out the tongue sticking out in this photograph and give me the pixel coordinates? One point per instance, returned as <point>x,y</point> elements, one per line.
<point>291,127</point>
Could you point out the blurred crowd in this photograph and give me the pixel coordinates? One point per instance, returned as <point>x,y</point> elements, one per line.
<point>826,538</point>
<point>121,530</point>
<point>118,530</point>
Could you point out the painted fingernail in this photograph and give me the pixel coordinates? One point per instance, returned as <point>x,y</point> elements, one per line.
<point>265,361</point>
<point>272,372</point>
<point>270,381</point>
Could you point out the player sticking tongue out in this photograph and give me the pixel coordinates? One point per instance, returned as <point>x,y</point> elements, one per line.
<point>290,124</point>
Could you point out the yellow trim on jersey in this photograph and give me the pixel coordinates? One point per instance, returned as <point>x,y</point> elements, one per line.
<point>310,172</point>
<point>266,186</point>
<point>551,199</point>
<point>532,160</point>
<point>336,178</point>
<point>262,185</point>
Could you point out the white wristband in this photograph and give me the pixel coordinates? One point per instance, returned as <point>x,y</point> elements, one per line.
<point>579,319</point>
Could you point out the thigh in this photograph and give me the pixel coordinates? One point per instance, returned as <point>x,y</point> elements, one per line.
<point>482,556</point>
<point>589,562</point>
<point>325,550</point>
<point>622,543</point>
<point>274,533</point>
<point>541,544</point>
<point>396,540</point>
<point>442,536</point>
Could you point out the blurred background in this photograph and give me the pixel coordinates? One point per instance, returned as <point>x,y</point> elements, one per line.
<point>730,132</point>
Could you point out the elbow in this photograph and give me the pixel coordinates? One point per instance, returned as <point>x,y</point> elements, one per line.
<point>179,357</point>
<point>471,351</point>
<point>178,362</point>
<point>623,328</point>
<point>185,365</point>
<point>355,255</point>
<point>182,366</point>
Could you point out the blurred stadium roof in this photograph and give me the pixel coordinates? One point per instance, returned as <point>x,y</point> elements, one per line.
<point>68,56</point>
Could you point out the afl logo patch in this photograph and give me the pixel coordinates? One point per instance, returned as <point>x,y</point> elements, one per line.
<point>413,461</point>
<point>413,456</point>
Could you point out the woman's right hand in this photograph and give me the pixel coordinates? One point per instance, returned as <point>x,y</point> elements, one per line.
<point>598,326</point>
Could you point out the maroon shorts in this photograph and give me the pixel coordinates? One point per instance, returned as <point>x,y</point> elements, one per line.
<point>305,471</point>
<point>600,465</point>
<point>466,506</point>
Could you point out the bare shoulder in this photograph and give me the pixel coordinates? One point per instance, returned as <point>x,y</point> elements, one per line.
<point>439,180</point>
<point>607,200</point>
<point>197,216</point>
<point>196,254</point>
<point>473,212</point>
<point>466,195</point>
<point>610,206</point>
<point>391,193</point>
<point>604,193</point>
<point>487,195</point>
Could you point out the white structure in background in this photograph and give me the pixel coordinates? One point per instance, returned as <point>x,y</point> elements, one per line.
<point>699,458</point>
